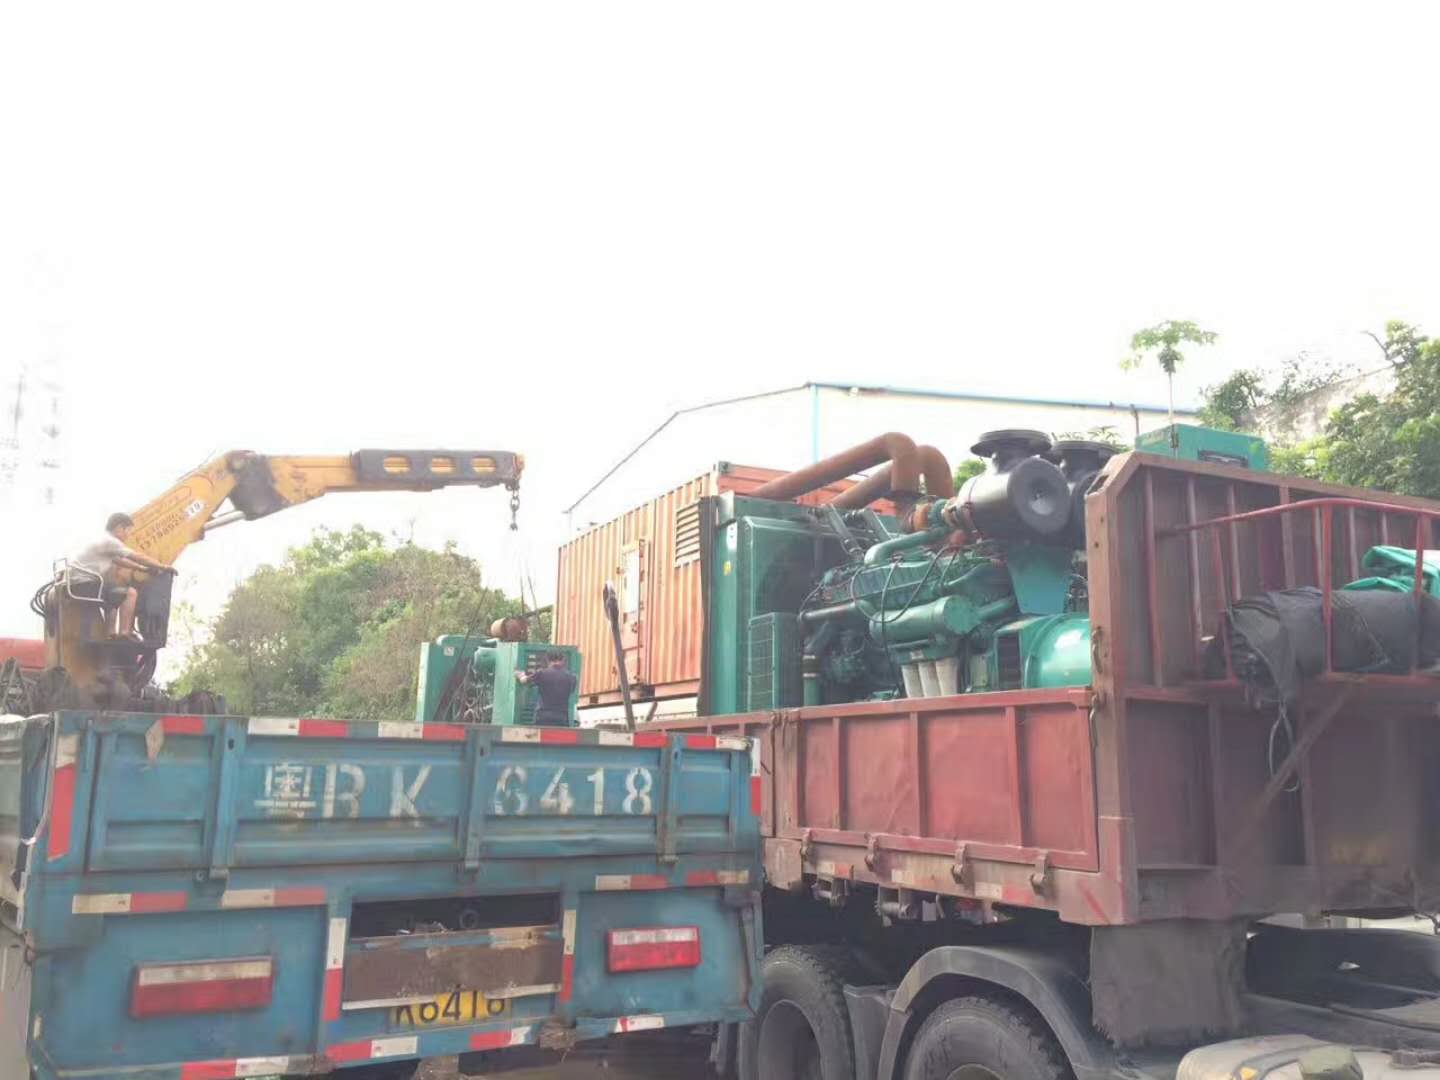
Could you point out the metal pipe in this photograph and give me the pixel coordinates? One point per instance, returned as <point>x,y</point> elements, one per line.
<point>1327,548</point>
<point>893,447</point>
<point>1291,507</point>
<point>612,615</point>
<point>896,544</point>
<point>831,612</point>
<point>223,519</point>
<point>1422,528</point>
<point>934,470</point>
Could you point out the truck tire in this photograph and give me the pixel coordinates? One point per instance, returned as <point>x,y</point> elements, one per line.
<point>984,1038</point>
<point>802,1029</point>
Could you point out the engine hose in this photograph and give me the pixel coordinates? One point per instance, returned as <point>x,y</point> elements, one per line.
<point>914,593</point>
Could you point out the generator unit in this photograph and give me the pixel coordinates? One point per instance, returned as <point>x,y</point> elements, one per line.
<point>467,680</point>
<point>1190,442</point>
<point>982,591</point>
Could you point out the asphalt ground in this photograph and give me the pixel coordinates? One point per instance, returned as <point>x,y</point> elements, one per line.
<point>632,1057</point>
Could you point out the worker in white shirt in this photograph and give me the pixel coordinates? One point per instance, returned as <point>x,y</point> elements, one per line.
<point>106,555</point>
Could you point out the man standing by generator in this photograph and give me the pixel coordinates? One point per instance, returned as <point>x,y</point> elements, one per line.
<point>555,684</point>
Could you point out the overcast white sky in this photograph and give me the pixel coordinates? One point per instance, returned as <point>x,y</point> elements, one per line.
<point>541,227</point>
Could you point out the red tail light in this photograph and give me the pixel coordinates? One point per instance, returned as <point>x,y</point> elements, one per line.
<point>202,986</point>
<point>654,947</point>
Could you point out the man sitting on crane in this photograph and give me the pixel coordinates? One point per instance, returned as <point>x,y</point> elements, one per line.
<point>99,562</point>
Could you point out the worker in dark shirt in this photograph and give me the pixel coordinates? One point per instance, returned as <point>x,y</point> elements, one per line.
<point>554,684</point>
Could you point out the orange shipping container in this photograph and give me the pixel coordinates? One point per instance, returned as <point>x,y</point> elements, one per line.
<point>652,556</point>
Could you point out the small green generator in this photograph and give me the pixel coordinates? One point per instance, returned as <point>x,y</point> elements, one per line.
<point>1190,442</point>
<point>486,691</point>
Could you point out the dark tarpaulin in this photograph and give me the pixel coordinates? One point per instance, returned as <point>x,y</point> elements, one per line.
<point>1277,639</point>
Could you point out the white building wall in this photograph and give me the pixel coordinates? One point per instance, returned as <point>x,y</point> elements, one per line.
<point>1307,419</point>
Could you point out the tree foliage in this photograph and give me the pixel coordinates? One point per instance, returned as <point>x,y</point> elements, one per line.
<point>1391,441</point>
<point>1102,433</point>
<point>1163,341</point>
<point>1388,441</point>
<point>335,628</point>
<point>1231,404</point>
<point>971,466</point>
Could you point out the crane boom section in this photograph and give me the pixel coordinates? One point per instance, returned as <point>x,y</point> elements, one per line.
<point>257,484</point>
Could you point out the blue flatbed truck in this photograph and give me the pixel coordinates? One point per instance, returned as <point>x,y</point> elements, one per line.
<point>196,897</point>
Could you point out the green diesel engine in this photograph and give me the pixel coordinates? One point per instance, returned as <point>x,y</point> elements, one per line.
<point>982,591</point>
<point>466,680</point>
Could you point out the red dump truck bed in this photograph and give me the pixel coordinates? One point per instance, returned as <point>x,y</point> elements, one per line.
<point>1154,793</point>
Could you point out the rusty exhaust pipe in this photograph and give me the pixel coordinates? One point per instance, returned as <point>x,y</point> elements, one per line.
<point>934,470</point>
<point>899,450</point>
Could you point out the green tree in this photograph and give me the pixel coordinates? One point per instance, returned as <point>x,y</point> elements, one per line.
<point>1403,343</point>
<point>1103,433</point>
<point>1391,441</point>
<point>1163,341</point>
<point>1230,405</point>
<point>1387,441</point>
<point>971,466</point>
<point>335,628</point>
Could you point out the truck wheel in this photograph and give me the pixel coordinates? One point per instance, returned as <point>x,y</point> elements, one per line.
<point>801,1030</point>
<point>981,1038</point>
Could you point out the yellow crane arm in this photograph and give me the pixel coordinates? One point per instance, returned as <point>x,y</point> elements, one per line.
<point>257,484</point>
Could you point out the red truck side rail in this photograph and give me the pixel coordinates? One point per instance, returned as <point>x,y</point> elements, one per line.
<point>1153,793</point>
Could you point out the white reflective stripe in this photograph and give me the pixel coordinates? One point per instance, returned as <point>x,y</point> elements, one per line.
<point>639,1023</point>
<point>100,904</point>
<point>201,971</point>
<point>520,1036</point>
<point>245,898</point>
<point>522,991</point>
<point>67,751</point>
<point>731,742</point>
<point>519,734</point>
<point>612,882</point>
<point>732,877</point>
<point>567,931</point>
<point>615,738</point>
<point>271,725</point>
<point>335,945</point>
<point>657,935</point>
<point>385,1003</point>
<point>408,1045</point>
<point>269,1066</point>
<point>825,868</point>
<point>390,729</point>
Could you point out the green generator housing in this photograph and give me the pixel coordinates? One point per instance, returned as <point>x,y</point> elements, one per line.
<point>765,559</point>
<point>1190,442</point>
<point>487,692</point>
<point>811,606</point>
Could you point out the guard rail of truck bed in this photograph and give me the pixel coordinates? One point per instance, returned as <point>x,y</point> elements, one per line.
<point>1151,793</point>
